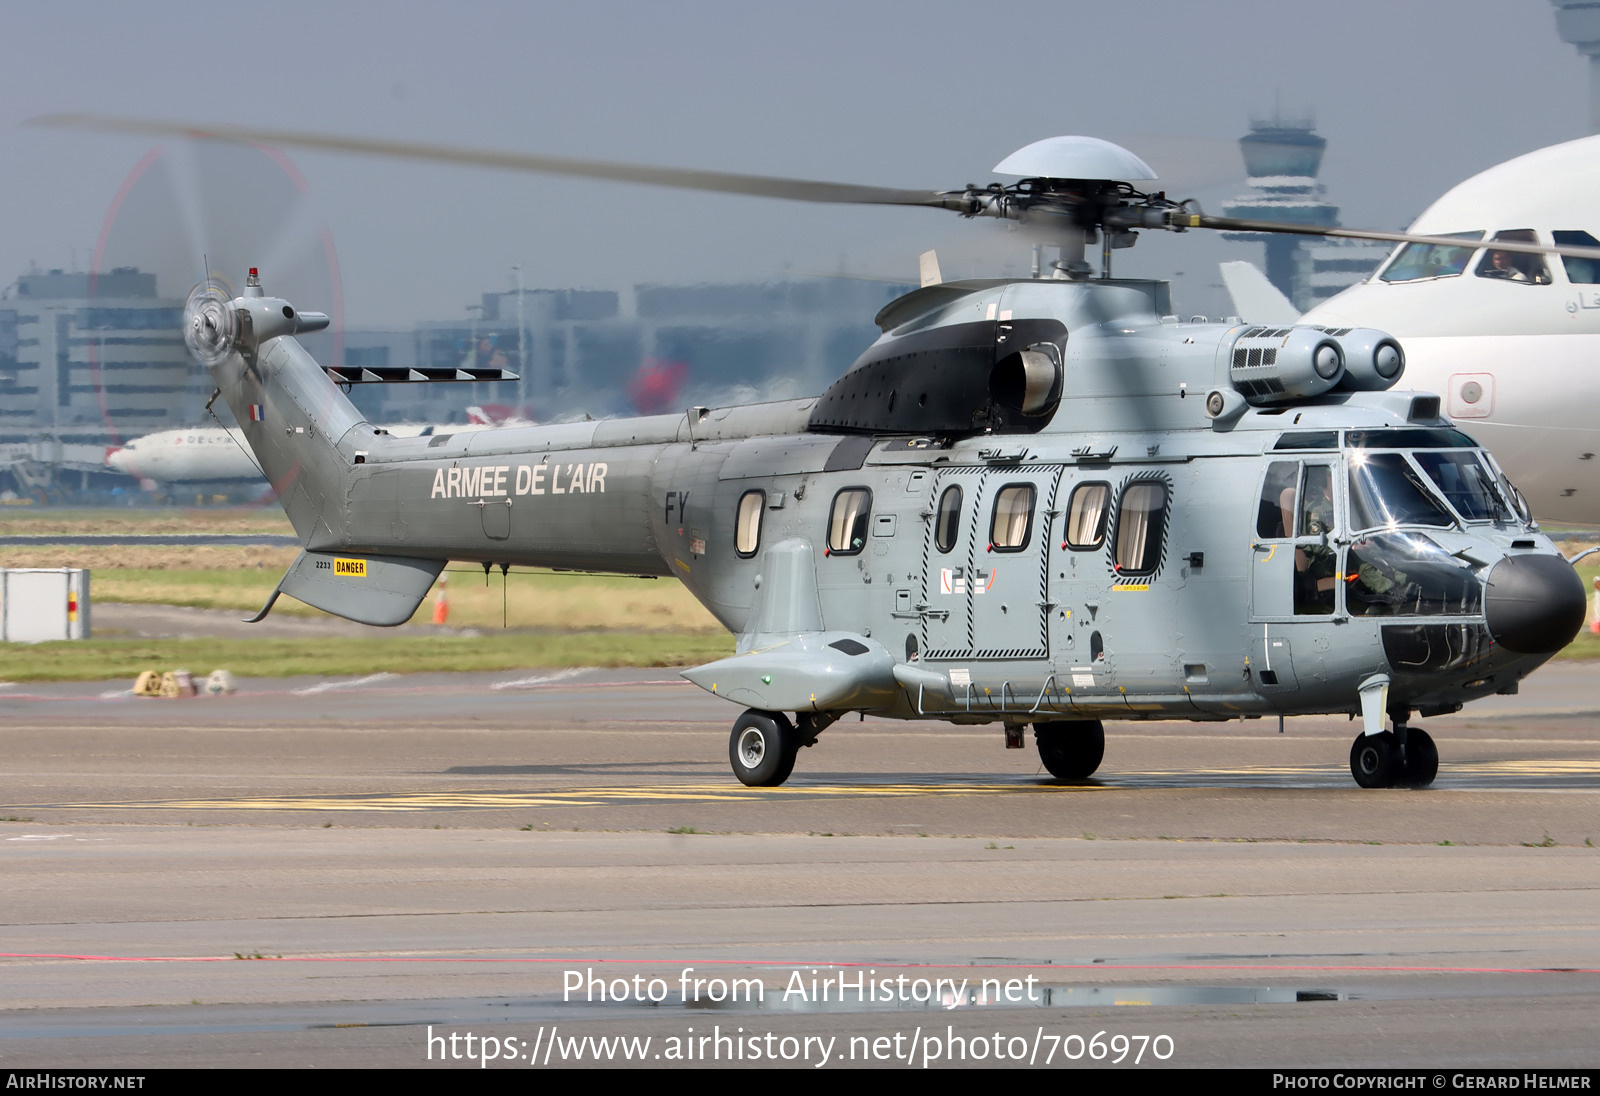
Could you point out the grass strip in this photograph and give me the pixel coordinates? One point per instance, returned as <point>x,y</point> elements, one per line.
<point>136,520</point>
<point>98,660</point>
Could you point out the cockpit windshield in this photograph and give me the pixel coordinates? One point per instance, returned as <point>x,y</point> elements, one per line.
<point>1466,485</point>
<point>1408,574</point>
<point>1387,492</point>
<point>1408,437</point>
<point>1509,491</point>
<point>1416,261</point>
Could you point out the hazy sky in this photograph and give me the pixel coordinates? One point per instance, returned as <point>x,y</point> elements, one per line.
<point>1412,96</point>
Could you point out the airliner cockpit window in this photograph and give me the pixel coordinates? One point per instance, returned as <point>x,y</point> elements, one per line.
<point>1417,261</point>
<point>1514,266</point>
<point>1579,271</point>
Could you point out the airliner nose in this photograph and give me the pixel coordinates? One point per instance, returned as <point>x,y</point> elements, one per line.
<point>1533,605</point>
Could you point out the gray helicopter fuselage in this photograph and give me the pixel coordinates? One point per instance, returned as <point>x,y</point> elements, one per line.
<point>1143,548</point>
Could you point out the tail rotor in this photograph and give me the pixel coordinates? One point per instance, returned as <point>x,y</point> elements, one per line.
<point>210,325</point>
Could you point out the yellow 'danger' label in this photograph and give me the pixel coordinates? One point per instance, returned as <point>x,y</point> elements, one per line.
<point>350,568</point>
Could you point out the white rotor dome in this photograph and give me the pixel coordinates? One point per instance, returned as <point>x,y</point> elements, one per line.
<point>1075,158</point>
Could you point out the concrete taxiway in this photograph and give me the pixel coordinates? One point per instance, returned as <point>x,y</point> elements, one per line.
<point>406,851</point>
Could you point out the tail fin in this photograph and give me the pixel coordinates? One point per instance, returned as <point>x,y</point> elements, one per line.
<point>294,418</point>
<point>1255,299</point>
<point>304,434</point>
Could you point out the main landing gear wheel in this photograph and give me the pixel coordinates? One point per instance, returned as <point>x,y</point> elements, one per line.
<point>762,748</point>
<point>1071,751</point>
<point>1421,763</point>
<point>1375,760</point>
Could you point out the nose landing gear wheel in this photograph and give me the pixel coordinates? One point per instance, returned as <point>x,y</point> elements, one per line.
<point>1375,760</point>
<point>762,748</point>
<point>1071,751</point>
<point>1422,759</point>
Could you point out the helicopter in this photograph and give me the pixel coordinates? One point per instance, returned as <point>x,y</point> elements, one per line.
<point>1042,501</point>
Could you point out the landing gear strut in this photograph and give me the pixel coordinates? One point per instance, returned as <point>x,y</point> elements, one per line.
<point>1071,751</point>
<point>1405,756</point>
<point>762,748</point>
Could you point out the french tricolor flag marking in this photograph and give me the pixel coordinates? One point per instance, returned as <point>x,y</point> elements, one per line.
<point>258,413</point>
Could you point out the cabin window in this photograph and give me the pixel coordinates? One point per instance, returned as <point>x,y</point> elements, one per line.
<point>1579,271</point>
<point>1013,518</point>
<point>847,522</point>
<point>947,523</point>
<point>1514,266</point>
<point>1086,515</point>
<point>747,529</point>
<point>1416,261</point>
<point>1141,520</point>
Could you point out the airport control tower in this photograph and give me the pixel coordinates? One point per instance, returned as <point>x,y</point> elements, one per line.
<point>1578,22</point>
<point>1282,157</point>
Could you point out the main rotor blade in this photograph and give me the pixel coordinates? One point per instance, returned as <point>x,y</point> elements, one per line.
<point>1236,224</point>
<point>762,186</point>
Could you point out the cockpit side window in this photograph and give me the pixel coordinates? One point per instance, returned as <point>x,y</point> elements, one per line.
<point>1316,506</point>
<point>1275,515</point>
<point>1414,262</point>
<point>1514,266</point>
<point>1315,561</point>
<point>1579,271</point>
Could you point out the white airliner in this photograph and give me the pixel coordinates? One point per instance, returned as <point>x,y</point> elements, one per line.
<point>215,455</point>
<point>1511,342</point>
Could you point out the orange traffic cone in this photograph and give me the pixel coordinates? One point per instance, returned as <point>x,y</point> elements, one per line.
<point>441,603</point>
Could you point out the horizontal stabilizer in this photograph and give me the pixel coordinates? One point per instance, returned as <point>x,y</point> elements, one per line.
<point>1255,299</point>
<point>387,374</point>
<point>380,590</point>
<point>808,671</point>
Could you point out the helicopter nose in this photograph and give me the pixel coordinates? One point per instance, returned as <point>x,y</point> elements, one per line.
<point>1533,605</point>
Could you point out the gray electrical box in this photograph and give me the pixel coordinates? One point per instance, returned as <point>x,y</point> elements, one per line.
<point>40,604</point>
